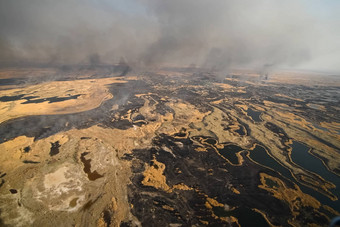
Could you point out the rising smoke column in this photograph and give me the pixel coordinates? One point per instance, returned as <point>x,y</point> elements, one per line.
<point>212,34</point>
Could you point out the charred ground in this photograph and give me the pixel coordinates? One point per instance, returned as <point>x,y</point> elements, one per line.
<point>194,149</point>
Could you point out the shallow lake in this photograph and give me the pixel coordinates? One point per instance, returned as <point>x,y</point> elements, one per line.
<point>255,115</point>
<point>229,152</point>
<point>306,160</point>
<point>259,155</point>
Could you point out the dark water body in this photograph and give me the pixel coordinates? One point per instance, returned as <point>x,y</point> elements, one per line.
<point>303,158</point>
<point>27,149</point>
<point>240,131</point>
<point>255,115</point>
<point>211,141</point>
<point>139,118</point>
<point>245,216</point>
<point>54,148</point>
<point>13,191</point>
<point>87,168</point>
<point>260,156</point>
<point>229,152</point>
<point>73,202</point>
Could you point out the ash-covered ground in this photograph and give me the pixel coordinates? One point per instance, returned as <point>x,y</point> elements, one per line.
<point>173,147</point>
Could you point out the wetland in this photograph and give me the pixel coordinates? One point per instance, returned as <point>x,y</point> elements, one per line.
<point>168,147</point>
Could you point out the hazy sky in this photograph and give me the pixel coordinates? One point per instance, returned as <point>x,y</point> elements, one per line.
<point>220,34</point>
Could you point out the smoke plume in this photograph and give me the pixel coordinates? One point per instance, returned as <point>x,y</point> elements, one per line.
<point>217,34</point>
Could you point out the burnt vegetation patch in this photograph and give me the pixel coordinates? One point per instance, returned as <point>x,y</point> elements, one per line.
<point>208,174</point>
<point>198,165</point>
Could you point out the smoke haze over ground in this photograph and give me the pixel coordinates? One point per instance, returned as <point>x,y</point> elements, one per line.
<point>217,34</point>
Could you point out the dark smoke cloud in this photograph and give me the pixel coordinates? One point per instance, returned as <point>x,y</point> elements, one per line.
<point>217,34</point>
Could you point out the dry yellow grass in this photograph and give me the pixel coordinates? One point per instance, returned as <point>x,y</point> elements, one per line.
<point>92,94</point>
<point>153,176</point>
<point>294,197</point>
